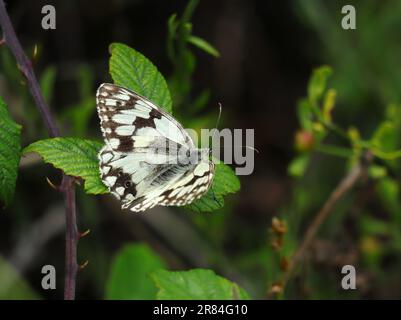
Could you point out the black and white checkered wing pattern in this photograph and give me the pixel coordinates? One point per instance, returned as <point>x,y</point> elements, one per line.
<point>139,163</point>
<point>127,119</point>
<point>179,191</point>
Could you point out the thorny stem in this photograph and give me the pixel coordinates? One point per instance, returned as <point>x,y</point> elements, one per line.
<point>67,186</point>
<point>71,238</point>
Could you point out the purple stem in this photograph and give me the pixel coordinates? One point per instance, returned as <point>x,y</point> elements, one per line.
<point>67,186</point>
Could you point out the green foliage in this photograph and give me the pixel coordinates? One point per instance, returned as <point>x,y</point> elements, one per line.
<point>13,286</point>
<point>364,63</point>
<point>76,157</point>
<point>183,60</point>
<point>317,84</point>
<point>389,193</point>
<point>129,276</point>
<point>225,181</point>
<point>79,114</point>
<point>314,116</point>
<point>377,172</point>
<point>378,153</point>
<point>196,284</point>
<point>203,45</point>
<point>385,140</point>
<point>134,71</point>
<point>10,153</point>
<point>298,165</point>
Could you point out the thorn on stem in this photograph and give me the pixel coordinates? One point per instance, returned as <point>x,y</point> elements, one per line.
<point>23,71</point>
<point>84,234</point>
<point>82,266</point>
<point>78,180</point>
<point>51,184</point>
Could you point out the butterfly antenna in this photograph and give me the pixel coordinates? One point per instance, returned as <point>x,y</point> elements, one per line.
<point>252,148</point>
<point>247,147</point>
<point>218,118</point>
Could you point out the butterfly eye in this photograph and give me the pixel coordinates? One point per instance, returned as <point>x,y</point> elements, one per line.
<point>120,173</point>
<point>127,184</point>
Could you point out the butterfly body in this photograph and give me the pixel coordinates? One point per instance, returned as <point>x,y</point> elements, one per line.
<point>148,158</point>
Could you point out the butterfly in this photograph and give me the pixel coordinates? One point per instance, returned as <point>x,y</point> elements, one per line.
<point>148,158</point>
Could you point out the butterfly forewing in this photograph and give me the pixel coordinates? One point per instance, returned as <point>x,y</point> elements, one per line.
<point>141,163</point>
<point>124,114</point>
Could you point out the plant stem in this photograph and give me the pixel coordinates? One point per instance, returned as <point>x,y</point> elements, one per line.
<point>67,186</point>
<point>338,193</point>
<point>25,65</point>
<point>334,150</point>
<point>71,238</point>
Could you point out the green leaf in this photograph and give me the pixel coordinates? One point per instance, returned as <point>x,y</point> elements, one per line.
<point>386,137</point>
<point>317,84</point>
<point>328,104</point>
<point>298,165</point>
<point>75,157</point>
<point>196,284</point>
<point>225,181</point>
<point>200,102</point>
<point>203,45</point>
<point>172,25</point>
<point>132,70</point>
<point>377,172</point>
<point>393,113</point>
<point>129,276</point>
<point>305,114</point>
<point>13,286</point>
<point>10,153</point>
<point>208,203</point>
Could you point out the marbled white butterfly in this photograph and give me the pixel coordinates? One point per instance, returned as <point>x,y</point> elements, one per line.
<point>148,159</point>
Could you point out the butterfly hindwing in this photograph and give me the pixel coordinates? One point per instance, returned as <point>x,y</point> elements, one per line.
<point>179,191</point>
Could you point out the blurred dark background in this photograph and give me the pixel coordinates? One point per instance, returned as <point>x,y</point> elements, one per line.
<point>268,50</point>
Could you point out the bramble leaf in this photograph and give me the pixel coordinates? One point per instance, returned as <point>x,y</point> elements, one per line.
<point>75,157</point>
<point>225,181</point>
<point>132,70</point>
<point>129,276</point>
<point>10,153</point>
<point>196,284</point>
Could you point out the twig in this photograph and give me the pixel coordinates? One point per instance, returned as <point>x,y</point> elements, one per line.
<point>71,238</point>
<point>25,65</point>
<point>342,188</point>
